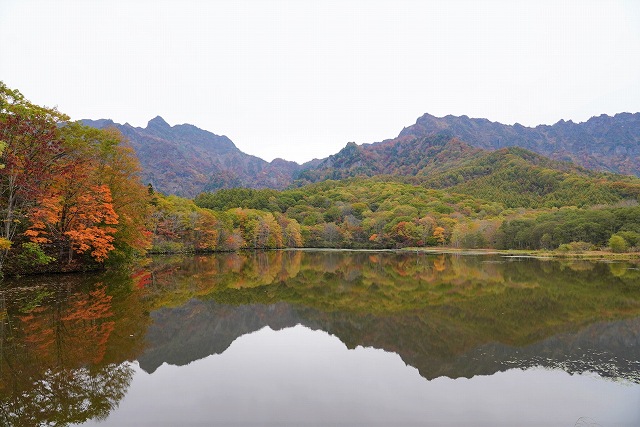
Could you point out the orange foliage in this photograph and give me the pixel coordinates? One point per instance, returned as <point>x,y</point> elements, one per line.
<point>94,212</point>
<point>85,220</point>
<point>142,278</point>
<point>84,325</point>
<point>206,231</point>
<point>95,200</point>
<point>130,197</point>
<point>41,217</point>
<point>438,234</point>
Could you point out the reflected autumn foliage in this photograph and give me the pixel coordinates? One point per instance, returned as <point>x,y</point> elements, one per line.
<point>67,342</point>
<point>443,314</point>
<point>441,305</point>
<point>66,349</point>
<point>397,282</point>
<point>85,318</point>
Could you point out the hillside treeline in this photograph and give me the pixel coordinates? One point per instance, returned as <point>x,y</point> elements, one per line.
<point>380,213</point>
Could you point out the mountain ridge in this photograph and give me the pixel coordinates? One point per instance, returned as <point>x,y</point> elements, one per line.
<point>186,160</point>
<point>607,143</point>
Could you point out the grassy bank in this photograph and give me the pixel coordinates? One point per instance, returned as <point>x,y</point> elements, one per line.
<point>590,255</point>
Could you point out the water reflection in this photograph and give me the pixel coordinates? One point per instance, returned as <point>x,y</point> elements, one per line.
<point>296,376</point>
<point>67,343</point>
<point>445,315</point>
<point>64,346</point>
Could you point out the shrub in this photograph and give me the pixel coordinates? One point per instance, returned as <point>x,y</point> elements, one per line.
<point>32,255</point>
<point>617,244</point>
<point>576,247</point>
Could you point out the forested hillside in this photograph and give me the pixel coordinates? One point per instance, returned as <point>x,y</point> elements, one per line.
<point>512,176</point>
<point>385,213</point>
<point>519,178</point>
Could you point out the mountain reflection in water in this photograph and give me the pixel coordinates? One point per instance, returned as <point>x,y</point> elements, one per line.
<point>67,343</point>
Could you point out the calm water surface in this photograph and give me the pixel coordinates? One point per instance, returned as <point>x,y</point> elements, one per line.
<point>325,338</point>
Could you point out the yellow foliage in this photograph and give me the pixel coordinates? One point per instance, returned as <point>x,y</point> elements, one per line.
<point>4,244</point>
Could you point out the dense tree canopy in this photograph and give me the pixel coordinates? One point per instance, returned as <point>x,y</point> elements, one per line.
<point>549,230</point>
<point>65,189</point>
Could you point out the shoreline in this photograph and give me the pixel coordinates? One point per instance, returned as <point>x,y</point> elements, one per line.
<point>593,256</point>
<point>507,253</point>
<point>539,254</point>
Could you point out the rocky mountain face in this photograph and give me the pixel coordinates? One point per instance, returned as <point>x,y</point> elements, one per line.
<point>423,157</point>
<point>403,156</point>
<point>185,160</point>
<point>601,143</point>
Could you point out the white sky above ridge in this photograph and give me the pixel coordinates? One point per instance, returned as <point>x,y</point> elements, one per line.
<point>298,80</point>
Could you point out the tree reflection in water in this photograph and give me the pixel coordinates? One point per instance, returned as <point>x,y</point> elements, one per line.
<point>67,342</point>
<point>457,316</point>
<point>65,347</point>
<point>63,396</point>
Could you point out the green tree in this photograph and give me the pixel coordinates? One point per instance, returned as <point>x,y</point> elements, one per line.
<point>631,237</point>
<point>618,244</point>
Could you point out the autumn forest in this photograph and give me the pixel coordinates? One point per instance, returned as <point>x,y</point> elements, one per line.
<point>72,199</point>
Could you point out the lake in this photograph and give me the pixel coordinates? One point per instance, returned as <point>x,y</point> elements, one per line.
<point>325,338</point>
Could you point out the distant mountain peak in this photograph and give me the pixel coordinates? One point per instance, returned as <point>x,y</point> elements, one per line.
<point>158,122</point>
<point>99,124</point>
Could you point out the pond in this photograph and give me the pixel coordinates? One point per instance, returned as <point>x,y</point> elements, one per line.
<point>325,338</point>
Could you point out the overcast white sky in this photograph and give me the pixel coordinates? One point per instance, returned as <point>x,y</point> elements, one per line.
<point>299,79</point>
